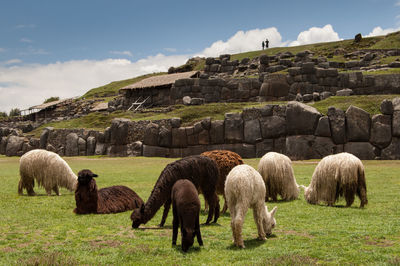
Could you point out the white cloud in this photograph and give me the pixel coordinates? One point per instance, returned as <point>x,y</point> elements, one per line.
<point>28,85</point>
<point>25,26</point>
<point>126,53</point>
<point>26,40</point>
<point>397,3</point>
<point>11,62</point>
<point>172,50</point>
<point>2,50</point>
<point>244,41</point>
<point>316,35</point>
<point>377,31</point>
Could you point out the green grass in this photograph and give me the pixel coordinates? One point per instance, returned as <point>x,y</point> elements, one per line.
<point>112,88</point>
<point>43,230</point>
<point>383,72</point>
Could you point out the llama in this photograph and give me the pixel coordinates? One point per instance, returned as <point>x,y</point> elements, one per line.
<point>49,170</point>
<point>277,172</point>
<point>225,160</point>
<point>106,200</point>
<point>203,173</point>
<point>186,208</point>
<point>337,175</point>
<point>244,188</point>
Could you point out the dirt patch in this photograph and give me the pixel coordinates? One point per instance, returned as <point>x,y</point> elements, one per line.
<point>105,243</point>
<point>8,249</point>
<point>378,242</point>
<point>139,249</point>
<point>292,232</point>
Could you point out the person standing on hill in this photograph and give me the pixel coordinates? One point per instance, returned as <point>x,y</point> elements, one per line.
<point>266,43</point>
<point>263,45</point>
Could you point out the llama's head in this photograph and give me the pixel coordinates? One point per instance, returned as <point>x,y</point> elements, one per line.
<point>269,221</point>
<point>187,238</point>
<point>137,216</point>
<point>85,176</point>
<point>308,194</point>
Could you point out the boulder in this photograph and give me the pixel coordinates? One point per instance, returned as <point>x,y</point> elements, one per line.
<point>386,107</point>
<point>266,145</point>
<point>151,134</point>
<point>324,146</point>
<point>337,122</point>
<point>81,147</point>
<point>244,150</point>
<point>392,152</point>
<point>175,122</point>
<point>192,136</point>
<point>204,137</point>
<point>358,38</point>
<point>251,113</point>
<point>117,151</point>
<point>363,150</point>
<point>90,145</point>
<point>381,130</point>
<point>273,127</point>
<point>43,138</point>
<point>51,148</point>
<point>300,147</point>
<point>358,124</point>
<point>344,92</point>
<point>252,132</point>
<point>301,119</point>
<point>71,145</point>
<point>396,104</point>
<point>101,149</point>
<point>264,59</point>
<point>155,151</point>
<point>119,131</point>
<point>323,127</point>
<point>186,100</point>
<point>197,101</point>
<point>396,124</point>
<point>14,145</point>
<point>233,127</point>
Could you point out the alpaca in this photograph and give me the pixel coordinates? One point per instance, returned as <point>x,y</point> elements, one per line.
<point>203,173</point>
<point>49,170</point>
<point>335,176</point>
<point>186,208</point>
<point>244,188</point>
<point>106,200</point>
<point>225,160</point>
<point>277,172</point>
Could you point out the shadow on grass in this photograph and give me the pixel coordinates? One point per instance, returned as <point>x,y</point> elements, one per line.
<point>210,224</point>
<point>45,195</point>
<point>251,243</point>
<point>193,249</point>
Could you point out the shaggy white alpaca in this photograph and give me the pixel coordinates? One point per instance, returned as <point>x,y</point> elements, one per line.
<point>337,175</point>
<point>277,172</point>
<point>244,188</point>
<point>49,170</point>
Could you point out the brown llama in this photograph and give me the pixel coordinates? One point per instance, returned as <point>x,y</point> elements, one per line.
<point>106,200</point>
<point>200,170</point>
<point>186,209</point>
<point>225,160</point>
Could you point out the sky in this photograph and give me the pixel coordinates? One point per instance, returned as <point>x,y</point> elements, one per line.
<point>52,48</point>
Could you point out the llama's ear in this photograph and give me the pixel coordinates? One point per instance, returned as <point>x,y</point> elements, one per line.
<point>273,211</point>
<point>94,175</point>
<point>142,209</point>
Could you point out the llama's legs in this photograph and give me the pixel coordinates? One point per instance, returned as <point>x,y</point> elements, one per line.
<point>48,191</point>
<point>216,209</point>
<point>55,189</point>
<point>225,205</point>
<point>237,225</point>
<point>175,225</point>
<point>205,205</point>
<point>258,219</point>
<point>349,196</point>
<point>362,194</point>
<point>213,209</point>
<point>198,233</point>
<point>167,205</point>
<point>20,189</point>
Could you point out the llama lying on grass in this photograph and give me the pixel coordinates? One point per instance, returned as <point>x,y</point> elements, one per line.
<point>277,172</point>
<point>225,160</point>
<point>49,170</point>
<point>186,209</point>
<point>244,188</point>
<point>200,170</point>
<point>106,200</point>
<point>335,176</point>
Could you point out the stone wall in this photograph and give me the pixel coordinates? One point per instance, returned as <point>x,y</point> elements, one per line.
<point>295,129</point>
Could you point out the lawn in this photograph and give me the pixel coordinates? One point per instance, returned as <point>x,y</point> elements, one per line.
<point>44,230</point>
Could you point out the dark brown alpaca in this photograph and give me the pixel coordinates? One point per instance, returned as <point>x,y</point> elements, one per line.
<point>106,200</point>
<point>225,160</point>
<point>186,209</point>
<point>200,170</point>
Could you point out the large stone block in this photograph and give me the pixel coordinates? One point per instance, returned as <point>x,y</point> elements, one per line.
<point>217,132</point>
<point>204,137</point>
<point>117,151</point>
<point>135,149</point>
<point>273,127</point>
<point>119,131</point>
<point>71,145</point>
<point>244,150</point>
<point>381,130</point>
<point>396,124</point>
<point>155,151</point>
<point>358,124</point>
<point>264,146</point>
<point>164,137</point>
<point>179,139</point>
<point>300,147</point>
<point>43,138</point>
<point>81,147</point>
<point>323,127</point>
<point>337,122</point>
<point>386,107</point>
<point>233,127</point>
<point>252,132</point>
<point>324,146</point>
<point>275,85</point>
<point>363,150</point>
<point>101,149</point>
<point>301,119</point>
<point>90,145</point>
<point>151,134</point>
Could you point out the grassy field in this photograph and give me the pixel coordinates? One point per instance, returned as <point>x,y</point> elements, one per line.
<point>43,230</point>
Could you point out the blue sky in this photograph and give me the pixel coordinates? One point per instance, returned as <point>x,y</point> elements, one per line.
<point>64,48</point>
